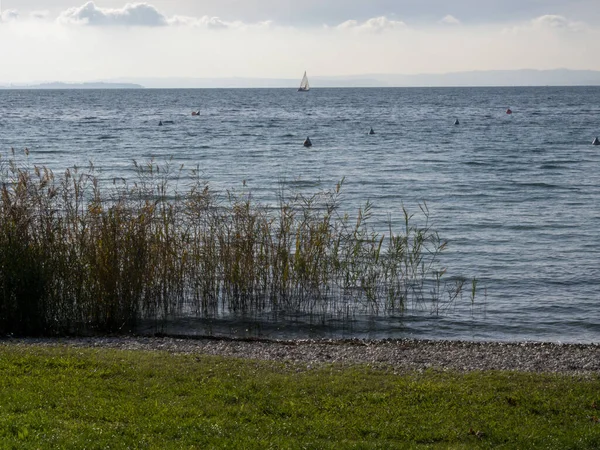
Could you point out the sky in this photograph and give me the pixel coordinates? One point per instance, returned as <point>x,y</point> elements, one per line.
<point>76,40</point>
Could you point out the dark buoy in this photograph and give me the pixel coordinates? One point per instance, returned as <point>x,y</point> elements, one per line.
<point>456,122</point>
<point>596,141</point>
<point>307,142</point>
<point>160,123</point>
<point>509,111</point>
<point>371,131</point>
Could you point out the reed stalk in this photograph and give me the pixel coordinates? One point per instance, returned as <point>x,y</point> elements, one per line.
<point>80,256</point>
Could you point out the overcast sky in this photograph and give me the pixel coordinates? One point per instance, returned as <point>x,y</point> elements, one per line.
<point>50,40</point>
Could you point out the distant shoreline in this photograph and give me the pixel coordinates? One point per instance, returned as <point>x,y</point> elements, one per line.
<point>257,88</point>
<point>485,78</point>
<point>73,86</point>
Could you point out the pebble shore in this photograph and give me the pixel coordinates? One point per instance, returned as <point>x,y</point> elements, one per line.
<point>400,355</point>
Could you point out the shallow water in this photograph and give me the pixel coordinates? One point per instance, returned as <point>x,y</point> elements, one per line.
<point>515,195</point>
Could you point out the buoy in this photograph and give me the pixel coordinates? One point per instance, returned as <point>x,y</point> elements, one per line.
<point>596,141</point>
<point>509,111</point>
<point>307,142</point>
<point>456,122</point>
<point>160,123</point>
<point>195,113</point>
<point>371,131</point>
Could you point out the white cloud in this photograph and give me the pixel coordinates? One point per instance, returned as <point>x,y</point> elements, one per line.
<point>9,15</point>
<point>375,24</point>
<point>205,21</point>
<point>144,15</point>
<point>450,20</point>
<point>549,23</point>
<point>215,23</point>
<point>556,22</point>
<point>347,24</point>
<point>132,14</point>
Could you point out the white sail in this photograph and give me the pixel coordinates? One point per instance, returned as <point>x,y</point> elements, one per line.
<point>304,86</point>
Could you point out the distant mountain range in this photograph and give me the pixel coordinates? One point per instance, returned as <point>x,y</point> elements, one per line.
<point>526,77</point>
<point>558,77</point>
<point>59,85</point>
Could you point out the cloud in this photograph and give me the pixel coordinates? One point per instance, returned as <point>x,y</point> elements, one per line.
<point>376,24</point>
<point>549,23</point>
<point>9,15</point>
<point>450,20</point>
<point>144,15</point>
<point>132,14</point>
<point>214,23</point>
<point>556,22</point>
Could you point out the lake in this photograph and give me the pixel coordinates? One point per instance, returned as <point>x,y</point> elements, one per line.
<point>516,196</point>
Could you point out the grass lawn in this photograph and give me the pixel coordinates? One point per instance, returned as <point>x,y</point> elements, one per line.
<point>76,398</point>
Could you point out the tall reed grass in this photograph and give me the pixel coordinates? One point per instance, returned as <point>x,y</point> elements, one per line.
<point>78,255</point>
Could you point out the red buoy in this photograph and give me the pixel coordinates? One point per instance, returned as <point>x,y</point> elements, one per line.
<point>509,111</point>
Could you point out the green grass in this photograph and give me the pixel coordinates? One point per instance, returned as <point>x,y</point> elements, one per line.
<point>97,398</point>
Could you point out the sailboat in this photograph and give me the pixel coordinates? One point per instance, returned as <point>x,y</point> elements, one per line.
<point>304,86</point>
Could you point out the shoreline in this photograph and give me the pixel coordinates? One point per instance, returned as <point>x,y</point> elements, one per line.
<point>404,355</point>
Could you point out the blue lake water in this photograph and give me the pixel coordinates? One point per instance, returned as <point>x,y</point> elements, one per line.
<point>517,196</point>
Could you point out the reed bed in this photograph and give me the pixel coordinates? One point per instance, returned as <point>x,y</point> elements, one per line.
<point>80,255</point>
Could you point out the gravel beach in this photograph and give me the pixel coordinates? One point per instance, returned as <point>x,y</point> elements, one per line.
<point>401,355</point>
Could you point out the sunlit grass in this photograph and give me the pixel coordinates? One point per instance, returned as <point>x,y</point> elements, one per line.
<point>84,398</point>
